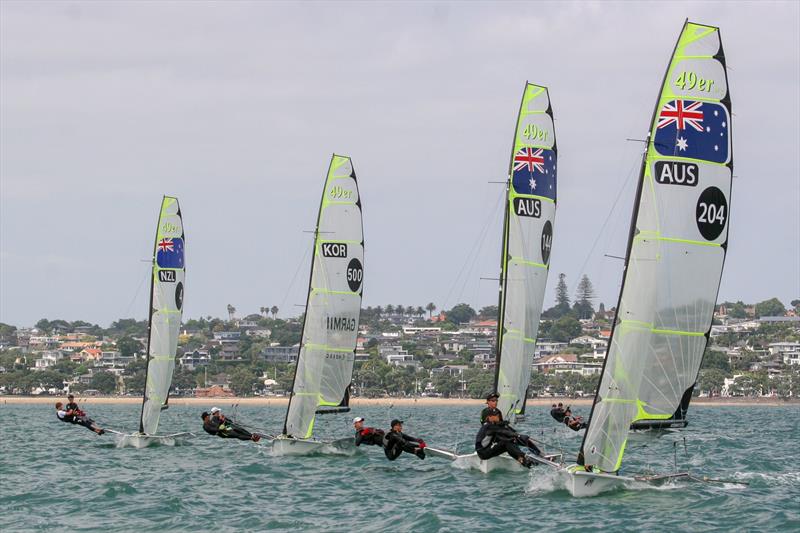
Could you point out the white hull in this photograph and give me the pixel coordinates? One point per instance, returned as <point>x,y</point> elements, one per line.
<point>291,446</point>
<point>582,484</point>
<point>502,462</point>
<point>141,440</point>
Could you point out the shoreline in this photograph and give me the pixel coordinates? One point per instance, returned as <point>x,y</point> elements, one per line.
<point>358,402</point>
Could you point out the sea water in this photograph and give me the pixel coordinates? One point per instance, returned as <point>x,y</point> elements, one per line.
<point>62,477</point>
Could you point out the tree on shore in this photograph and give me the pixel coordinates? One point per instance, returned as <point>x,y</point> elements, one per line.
<point>431,307</point>
<point>583,299</point>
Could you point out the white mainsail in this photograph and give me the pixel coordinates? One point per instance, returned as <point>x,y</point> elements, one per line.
<point>527,240</point>
<point>676,251</point>
<point>330,329</point>
<point>166,307</point>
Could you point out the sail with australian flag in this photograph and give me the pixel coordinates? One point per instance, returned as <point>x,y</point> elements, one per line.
<point>330,327</point>
<point>527,240</point>
<point>166,308</point>
<point>673,267</point>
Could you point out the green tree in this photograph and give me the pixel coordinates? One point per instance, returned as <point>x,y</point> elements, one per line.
<point>242,381</point>
<point>716,359</point>
<point>431,307</point>
<point>105,382</point>
<point>460,314</point>
<point>771,307</point>
<point>128,346</point>
<point>488,313</point>
<point>711,380</point>
<point>565,329</point>
<point>583,298</point>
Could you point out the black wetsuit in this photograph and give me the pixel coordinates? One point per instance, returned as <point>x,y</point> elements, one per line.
<point>558,413</point>
<point>71,406</point>
<point>397,442</point>
<point>229,430</point>
<point>81,420</point>
<point>495,439</point>
<point>574,424</point>
<point>370,436</point>
<point>485,413</point>
<point>210,426</point>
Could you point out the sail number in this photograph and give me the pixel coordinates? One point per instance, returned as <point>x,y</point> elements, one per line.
<point>711,213</point>
<point>355,274</point>
<point>534,133</point>
<point>547,241</point>
<point>688,81</point>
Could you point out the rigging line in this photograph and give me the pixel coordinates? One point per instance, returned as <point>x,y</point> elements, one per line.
<point>608,217</point>
<point>294,277</point>
<point>475,248</point>
<point>139,288</point>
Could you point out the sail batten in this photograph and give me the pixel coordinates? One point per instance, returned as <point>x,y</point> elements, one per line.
<point>527,240</point>
<point>676,250</point>
<point>330,327</point>
<point>166,309</point>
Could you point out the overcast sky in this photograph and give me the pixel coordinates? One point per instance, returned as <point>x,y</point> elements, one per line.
<point>235,108</point>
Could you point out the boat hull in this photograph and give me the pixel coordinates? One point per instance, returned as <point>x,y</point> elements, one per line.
<point>141,440</point>
<point>582,484</point>
<point>289,446</point>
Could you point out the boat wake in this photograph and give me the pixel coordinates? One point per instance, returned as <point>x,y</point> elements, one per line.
<point>135,440</point>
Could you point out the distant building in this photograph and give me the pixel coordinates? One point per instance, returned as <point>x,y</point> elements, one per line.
<point>214,391</point>
<point>195,359</point>
<point>280,354</point>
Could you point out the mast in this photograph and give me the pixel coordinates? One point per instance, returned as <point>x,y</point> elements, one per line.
<point>675,254</point>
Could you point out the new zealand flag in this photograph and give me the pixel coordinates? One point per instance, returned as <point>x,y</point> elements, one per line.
<point>698,130</point>
<point>169,252</point>
<point>534,172</point>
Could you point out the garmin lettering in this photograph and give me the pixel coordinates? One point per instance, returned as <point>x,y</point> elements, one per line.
<point>334,249</point>
<point>340,323</point>
<point>528,207</point>
<point>677,173</point>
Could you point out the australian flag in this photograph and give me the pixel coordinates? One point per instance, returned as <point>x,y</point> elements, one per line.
<point>534,172</point>
<point>169,252</point>
<point>697,130</point>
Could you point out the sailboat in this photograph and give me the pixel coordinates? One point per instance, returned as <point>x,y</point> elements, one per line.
<point>530,209</point>
<point>673,264</point>
<point>165,310</point>
<point>324,366</point>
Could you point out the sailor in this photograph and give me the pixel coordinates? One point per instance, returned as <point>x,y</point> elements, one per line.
<point>558,412</point>
<point>575,423</point>
<point>491,403</point>
<point>367,435</point>
<point>71,405</point>
<point>76,416</point>
<point>228,429</point>
<point>496,437</point>
<point>396,442</point>
<point>209,425</point>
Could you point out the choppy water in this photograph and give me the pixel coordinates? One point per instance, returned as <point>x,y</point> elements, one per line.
<point>59,477</point>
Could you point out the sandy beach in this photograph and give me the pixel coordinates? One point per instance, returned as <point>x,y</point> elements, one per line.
<point>355,402</point>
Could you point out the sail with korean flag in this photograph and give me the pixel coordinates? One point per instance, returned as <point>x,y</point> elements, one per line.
<point>166,308</point>
<point>330,328</point>
<point>676,250</point>
<point>527,240</point>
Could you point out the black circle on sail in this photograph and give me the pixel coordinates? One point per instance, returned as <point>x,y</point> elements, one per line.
<point>179,295</point>
<point>711,213</point>
<point>547,241</point>
<point>355,273</point>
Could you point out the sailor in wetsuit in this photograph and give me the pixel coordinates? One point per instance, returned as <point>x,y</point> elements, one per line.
<point>370,436</point>
<point>575,423</point>
<point>76,416</point>
<point>71,405</point>
<point>209,425</point>
<point>396,442</point>
<point>227,429</point>
<point>491,403</point>
<point>496,437</point>
<point>558,412</point>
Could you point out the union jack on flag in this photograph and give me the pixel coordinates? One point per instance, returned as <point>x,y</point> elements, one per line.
<point>530,159</point>
<point>165,245</point>
<point>675,113</point>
